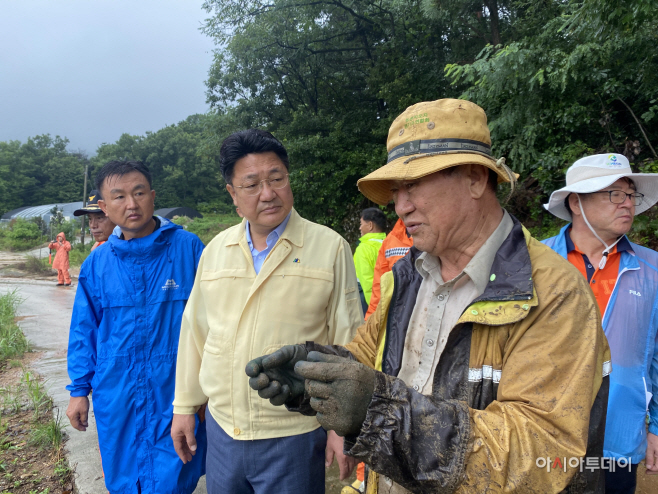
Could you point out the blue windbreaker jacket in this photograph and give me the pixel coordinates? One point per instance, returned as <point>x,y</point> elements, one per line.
<point>630,322</point>
<point>123,345</point>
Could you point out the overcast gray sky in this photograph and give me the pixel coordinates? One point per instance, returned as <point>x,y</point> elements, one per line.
<point>90,70</point>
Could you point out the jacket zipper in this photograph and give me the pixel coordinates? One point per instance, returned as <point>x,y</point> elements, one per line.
<point>614,289</point>
<point>388,321</point>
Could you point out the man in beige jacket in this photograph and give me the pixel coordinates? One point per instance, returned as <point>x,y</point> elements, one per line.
<point>273,280</point>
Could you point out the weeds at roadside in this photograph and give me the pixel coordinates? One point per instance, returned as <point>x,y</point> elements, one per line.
<point>48,435</point>
<point>32,457</point>
<point>32,454</point>
<point>80,252</point>
<point>36,393</point>
<point>28,394</point>
<point>11,399</point>
<point>13,342</point>
<point>62,470</point>
<point>35,265</point>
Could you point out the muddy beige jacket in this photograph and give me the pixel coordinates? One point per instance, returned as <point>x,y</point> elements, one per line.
<point>522,381</point>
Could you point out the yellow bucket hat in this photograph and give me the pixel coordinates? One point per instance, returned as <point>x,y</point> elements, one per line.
<point>432,136</point>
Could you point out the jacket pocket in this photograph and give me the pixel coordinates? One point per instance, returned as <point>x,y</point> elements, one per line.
<point>227,274</point>
<point>217,345</point>
<point>224,293</point>
<point>216,373</point>
<point>297,303</point>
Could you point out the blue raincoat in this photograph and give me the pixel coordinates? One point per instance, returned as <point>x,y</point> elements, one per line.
<point>123,345</point>
<point>630,323</point>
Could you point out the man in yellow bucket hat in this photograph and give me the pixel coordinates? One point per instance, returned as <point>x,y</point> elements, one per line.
<point>484,367</point>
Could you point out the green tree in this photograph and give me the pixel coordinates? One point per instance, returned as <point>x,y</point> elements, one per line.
<point>183,175</point>
<point>326,77</point>
<point>20,235</point>
<point>558,79</point>
<point>40,171</point>
<point>585,83</point>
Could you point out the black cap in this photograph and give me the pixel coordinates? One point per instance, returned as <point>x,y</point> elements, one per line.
<point>92,205</point>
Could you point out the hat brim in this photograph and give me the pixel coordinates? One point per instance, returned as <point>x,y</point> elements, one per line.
<point>645,183</point>
<point>376,186</point>
<point>80,212</point>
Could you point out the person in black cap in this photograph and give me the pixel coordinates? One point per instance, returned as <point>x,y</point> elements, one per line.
<point>100,225</point>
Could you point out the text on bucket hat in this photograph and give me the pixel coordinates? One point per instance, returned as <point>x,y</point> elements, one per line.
<point>429,137</point>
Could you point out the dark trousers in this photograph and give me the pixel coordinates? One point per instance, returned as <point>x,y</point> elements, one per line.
<point>293,464</point>
<point>621,481</point>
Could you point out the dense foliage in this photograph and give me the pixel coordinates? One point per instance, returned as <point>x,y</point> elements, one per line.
<point>182,174</point>
<point>558,79</point>
<point>42,171</point>
<point>586,82</point>
<point>20,234</point>
<point>210,225</point>
<point>39,171</point>
<point>327,78</point>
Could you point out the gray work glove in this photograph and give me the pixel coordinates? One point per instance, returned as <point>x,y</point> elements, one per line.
<point>273,376</point>
<point>341,390</point>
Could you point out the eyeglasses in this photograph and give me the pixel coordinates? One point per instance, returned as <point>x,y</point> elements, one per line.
<point>619,196</point>
<point>255,187</point>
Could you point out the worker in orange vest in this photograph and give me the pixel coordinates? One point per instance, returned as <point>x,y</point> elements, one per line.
<point>395,247</point>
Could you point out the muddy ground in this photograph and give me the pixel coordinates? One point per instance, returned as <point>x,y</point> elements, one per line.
<point>29,463</point>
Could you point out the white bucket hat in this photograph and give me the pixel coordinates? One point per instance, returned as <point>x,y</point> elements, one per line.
<point>596,172</point>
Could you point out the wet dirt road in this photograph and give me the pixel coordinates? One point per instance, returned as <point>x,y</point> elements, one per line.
<point>45,314</point>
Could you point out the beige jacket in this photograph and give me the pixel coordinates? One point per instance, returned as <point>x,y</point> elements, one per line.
<point>305,291</point>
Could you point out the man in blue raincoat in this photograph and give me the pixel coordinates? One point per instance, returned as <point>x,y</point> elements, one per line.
<point>123,341</point>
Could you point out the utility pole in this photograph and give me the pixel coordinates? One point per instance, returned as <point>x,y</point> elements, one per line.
<point>84,204</point>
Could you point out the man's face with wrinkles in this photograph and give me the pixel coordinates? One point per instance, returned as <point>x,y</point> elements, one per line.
<point>100,226</point>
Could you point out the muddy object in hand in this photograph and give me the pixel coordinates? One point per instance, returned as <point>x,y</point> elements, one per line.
<point>273,375</point>
<point>340,389</point>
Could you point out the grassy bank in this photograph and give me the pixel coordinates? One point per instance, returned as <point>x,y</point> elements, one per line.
<point>36,266</point>
<point>210,225</point>
<point>31,435</point>
<point>13,342</point>
<point>79,252</point>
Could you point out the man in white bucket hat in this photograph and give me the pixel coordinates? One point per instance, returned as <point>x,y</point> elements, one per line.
<point>601,198</point>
